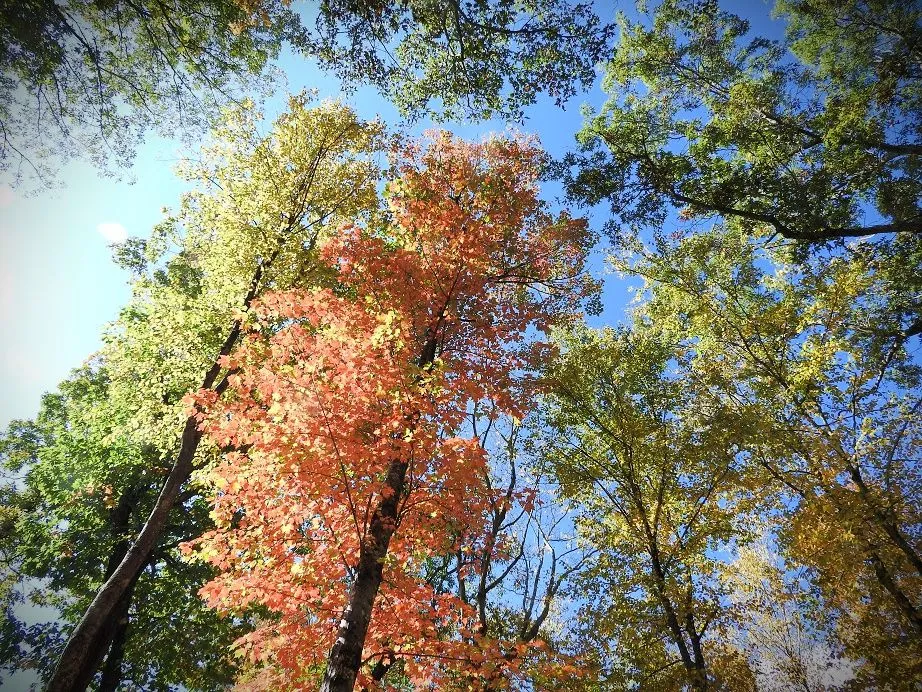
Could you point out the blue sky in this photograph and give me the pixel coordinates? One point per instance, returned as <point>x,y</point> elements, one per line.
<point>58,286</point>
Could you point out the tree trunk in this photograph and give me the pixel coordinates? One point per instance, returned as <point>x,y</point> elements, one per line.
<point>672,619</point>
<point>98,625</point>
<point>913,614</point>
<point>119,520</point>
<point>92,658</point>
<point>699,671</point>
<point>112,672</point>
<point>345,656</point>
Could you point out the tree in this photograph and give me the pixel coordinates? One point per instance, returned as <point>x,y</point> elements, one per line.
<point>84,488</point>
<point>654,470</point>
<point>262,205</point>
<point>786,140</point>
<point>804,298</point>
<point>831,409</point>
<point>473,58</point>
<point>344,409</point>
<point>90,78</point>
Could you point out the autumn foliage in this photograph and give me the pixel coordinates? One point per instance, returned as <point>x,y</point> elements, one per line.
<point>436,304</point>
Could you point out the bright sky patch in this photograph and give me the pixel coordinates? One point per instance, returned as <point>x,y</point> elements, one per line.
<point>113,232</point>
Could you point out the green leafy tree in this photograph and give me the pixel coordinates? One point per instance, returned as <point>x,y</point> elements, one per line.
<point>86,78</point>
<point>252,223</point>
<point>473,58</point>
<point>801,306</point>
<point>85,490</point>
<point>814,140</point>
<point>831,413</point>
<point>655,472</point>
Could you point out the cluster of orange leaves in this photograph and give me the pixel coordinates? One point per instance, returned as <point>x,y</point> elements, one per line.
<point>328,390</point>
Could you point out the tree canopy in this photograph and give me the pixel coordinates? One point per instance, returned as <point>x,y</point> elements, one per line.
<point>783,139</point>
<point>336,500</point>
<point>90,79</point>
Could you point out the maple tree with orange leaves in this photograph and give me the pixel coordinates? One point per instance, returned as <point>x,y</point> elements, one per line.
<point>346,415</point>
